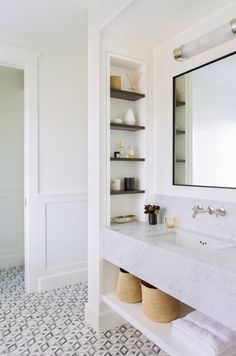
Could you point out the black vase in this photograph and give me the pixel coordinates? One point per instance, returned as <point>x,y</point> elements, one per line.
<point>152,219</point>
<point>129,183</point>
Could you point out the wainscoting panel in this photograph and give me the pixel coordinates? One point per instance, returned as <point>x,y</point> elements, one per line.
<point>11,229</point>
<point>65,231</point>
<point>62,239</point>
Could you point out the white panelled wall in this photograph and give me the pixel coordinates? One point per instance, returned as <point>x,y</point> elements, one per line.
<point>62,166</point>
<point>11,167</point>
<point>63,121</point>
<point>63,238</point>
<point>62,199</point>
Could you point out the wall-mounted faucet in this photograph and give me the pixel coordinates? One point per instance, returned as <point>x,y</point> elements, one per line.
<point>198,209</point>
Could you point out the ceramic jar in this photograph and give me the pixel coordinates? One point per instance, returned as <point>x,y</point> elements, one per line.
<point>129,118</point>
<point>116,184</point>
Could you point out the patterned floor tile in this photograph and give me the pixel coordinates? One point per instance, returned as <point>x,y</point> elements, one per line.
<point>53,324</point>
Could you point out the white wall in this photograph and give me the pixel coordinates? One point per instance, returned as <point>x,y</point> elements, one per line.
<point>63,121</point>
<point>62,191</point>
<point>12,167</point>
<point>62,203</point>
<point>101,13</point>
<point>181,208</point>
<point>165,68</point>
<point>97,314</point>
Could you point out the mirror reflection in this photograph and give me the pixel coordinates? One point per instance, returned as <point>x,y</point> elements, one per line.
<point>205,125</point>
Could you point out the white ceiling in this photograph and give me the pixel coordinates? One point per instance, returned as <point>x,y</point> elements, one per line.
<point>154,21</point>
<point>43,22</point>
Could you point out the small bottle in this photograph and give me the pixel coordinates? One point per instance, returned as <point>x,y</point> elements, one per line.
<point>121,146</point>
<point>130,152</point>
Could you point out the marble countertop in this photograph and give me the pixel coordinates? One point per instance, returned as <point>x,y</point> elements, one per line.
<point>223,258</point>
<point>206,281</point>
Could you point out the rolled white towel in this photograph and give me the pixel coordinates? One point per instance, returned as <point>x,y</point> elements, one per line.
<point>201,339</point>
<point>223,332</point>
<point>229,352</point>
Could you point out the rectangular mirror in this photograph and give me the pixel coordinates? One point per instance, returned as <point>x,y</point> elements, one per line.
<point>204,134</point>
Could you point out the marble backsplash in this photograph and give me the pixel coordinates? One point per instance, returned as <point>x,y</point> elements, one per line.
<point>181,208</point>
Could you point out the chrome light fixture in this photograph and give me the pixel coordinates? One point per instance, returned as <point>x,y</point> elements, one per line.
<point>211,39</point>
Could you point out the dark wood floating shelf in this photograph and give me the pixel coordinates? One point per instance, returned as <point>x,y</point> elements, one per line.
<point>127,159</point>
<point>180,103</point>
<point>126,95</point>
<point>180,161</point>
<point>180,132</point>
<point>118,192</point>
<point>124,127</point>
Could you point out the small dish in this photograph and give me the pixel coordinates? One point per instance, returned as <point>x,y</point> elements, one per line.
<point>123,219</point>
<point>117,121</point>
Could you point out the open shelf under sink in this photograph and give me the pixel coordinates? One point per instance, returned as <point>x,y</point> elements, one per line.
<point>159,333</point>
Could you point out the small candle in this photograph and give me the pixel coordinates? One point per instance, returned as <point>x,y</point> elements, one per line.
<point>170,222</point>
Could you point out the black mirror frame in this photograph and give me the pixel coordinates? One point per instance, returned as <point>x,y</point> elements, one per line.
<point>174,121</point>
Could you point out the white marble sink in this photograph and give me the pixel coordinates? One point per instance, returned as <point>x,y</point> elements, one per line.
<point>201,275</point>
<point>191,241</point>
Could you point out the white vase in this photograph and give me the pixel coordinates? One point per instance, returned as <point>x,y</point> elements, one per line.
<point>129,118</point>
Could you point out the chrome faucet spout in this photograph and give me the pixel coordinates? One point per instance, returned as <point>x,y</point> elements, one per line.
<point>197,209</point>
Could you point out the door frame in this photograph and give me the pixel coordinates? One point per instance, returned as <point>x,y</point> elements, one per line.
<point>27,60</point>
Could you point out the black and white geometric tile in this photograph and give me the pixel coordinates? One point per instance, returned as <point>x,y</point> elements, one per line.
<point>52,324</point>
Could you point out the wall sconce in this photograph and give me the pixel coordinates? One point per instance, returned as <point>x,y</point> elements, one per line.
<point>211,39</point>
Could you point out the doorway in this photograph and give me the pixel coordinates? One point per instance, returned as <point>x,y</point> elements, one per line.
<point>27,61</point>
<point>12,168</point>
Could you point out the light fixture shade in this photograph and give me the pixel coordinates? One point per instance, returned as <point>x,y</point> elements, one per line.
<point>211,39</point>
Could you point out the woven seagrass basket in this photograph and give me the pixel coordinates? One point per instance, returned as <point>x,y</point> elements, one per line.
<point>128,287</point>
<point>157,305</point>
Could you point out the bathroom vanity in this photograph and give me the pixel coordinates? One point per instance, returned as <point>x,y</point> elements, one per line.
<point>197,269</point>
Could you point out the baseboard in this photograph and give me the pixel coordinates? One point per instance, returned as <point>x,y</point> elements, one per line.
<point>58,280</point>
<point>102,321</point>
<point>11,261</point>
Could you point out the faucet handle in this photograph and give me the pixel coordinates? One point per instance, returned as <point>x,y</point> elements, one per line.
<point>220,211</point>
<point>211,210</point>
